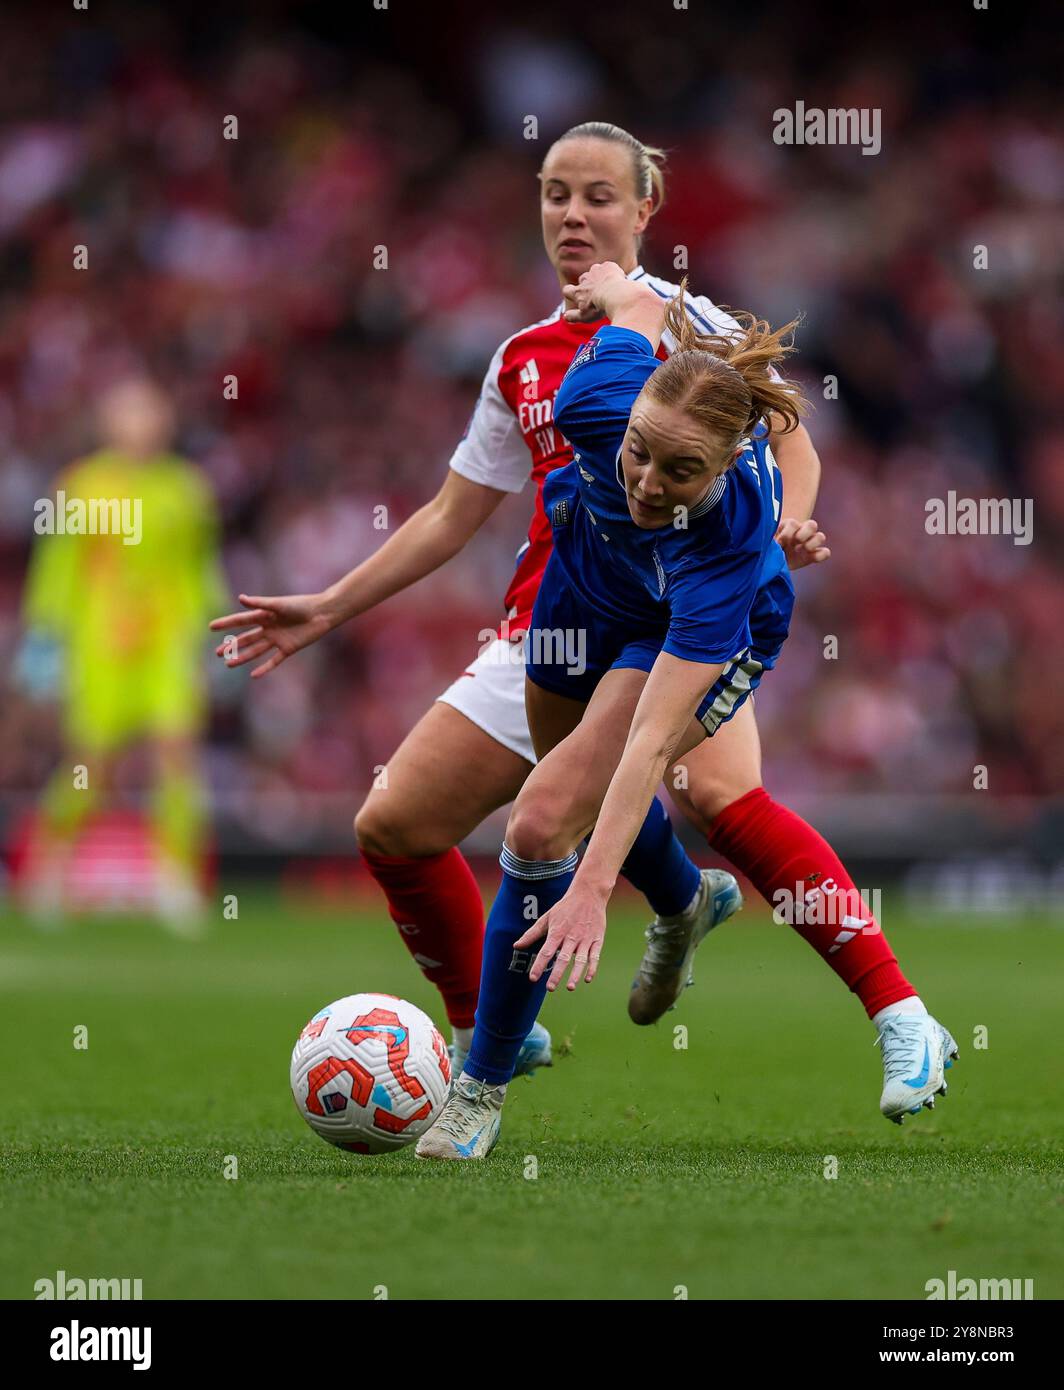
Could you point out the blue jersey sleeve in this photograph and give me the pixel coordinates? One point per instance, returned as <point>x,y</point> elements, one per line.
<point>709,607</point>
<point>595,398</point>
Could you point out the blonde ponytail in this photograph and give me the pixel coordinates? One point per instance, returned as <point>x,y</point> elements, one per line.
<point>724,381</point>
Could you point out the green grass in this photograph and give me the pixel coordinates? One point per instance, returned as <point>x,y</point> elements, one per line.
<point>657,1166</point>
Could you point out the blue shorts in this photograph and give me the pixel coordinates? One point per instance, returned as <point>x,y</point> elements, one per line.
<point>571,645</point>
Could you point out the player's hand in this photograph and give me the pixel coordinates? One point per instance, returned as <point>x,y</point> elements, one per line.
<point>802,542</point>
<point>574,927</point>
<point>275,628</point>
<point>588,299</point>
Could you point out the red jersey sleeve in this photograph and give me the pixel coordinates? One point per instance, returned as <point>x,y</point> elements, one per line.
<point>493,451</point>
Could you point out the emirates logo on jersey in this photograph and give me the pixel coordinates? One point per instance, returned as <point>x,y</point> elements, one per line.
<point>533,415</point>
<point>529,376</point>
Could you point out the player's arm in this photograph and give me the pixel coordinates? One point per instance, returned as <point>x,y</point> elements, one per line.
<point>431,537</point>
<point>490,461</point>
<point>278,627</point>
<point>608,372</point>
<point>799,465</point>
<point>49,606</point>
<point>54,580</point>
<point>709,609</point>
<point>575,926</point>
<point>606,290</point>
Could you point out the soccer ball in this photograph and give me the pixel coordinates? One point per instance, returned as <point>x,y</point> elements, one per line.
<point>370,1073</point>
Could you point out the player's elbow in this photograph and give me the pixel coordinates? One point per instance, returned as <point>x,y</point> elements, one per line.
<point>657,742</point>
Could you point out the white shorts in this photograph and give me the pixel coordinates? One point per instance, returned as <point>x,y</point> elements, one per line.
<point>491,692</point>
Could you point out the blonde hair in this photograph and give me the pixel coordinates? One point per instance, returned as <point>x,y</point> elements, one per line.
<point>723,382</point>
<point>648,162</point>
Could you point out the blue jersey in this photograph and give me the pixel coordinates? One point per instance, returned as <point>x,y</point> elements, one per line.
<point>700,581</point>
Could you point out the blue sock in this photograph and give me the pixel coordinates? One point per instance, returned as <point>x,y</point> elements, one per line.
<point>508,1003</point>
<point>659,866</point>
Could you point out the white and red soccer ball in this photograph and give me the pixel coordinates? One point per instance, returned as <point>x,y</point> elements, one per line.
<point>370,1073</point>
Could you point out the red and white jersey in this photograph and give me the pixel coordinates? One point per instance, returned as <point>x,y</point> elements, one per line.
<point>511,435</point>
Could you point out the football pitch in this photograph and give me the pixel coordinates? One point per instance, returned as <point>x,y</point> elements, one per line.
<point>647,1164</point>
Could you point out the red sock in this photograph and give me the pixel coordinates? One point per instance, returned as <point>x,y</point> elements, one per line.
<point>796,870</point>
<point>436,904</point>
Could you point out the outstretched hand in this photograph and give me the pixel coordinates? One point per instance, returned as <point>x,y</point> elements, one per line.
<point>574,929</point>
<point>275,629</point>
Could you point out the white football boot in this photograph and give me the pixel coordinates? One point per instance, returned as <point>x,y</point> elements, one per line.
<point>667,965</point>
<point>535,1052</point>
<point>468,1125</point>
<point>917,1052</point>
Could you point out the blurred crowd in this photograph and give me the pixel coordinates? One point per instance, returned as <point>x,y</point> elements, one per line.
<point>260,256</point>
